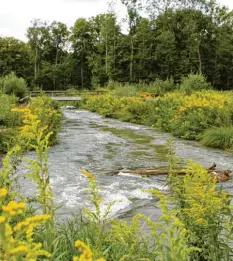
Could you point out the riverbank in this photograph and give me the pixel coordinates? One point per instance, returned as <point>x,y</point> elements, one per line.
<point>11,121</point>
<point>205,116</point>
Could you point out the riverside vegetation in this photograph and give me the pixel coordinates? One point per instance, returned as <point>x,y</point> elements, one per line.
<point>191,110</point>
<point>195,222</point>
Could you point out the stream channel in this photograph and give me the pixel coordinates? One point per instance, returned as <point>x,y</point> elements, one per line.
<point>97,144</point>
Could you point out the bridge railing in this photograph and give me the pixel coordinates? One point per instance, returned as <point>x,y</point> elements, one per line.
<point>63,93</point>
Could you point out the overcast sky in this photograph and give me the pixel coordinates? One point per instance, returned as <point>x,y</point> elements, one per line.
<point>15,15</point>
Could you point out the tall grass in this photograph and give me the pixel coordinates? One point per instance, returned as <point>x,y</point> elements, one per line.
<point>221,138</point>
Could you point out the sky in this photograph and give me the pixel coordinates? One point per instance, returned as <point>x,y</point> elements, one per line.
<point>15,15</point>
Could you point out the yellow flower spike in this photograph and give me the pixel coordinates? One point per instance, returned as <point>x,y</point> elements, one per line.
<point>29,231</point>
<point>2,219</point>
<point>86,253</point>
<point>88,174</point>
<point>20,225</point>
<point>39,218</point>
<point>8,231</point>
<point>200,220</point>
<point>3,192</point>
<point>13,207</point>
<point>211,190</point>
<point>19,249</point>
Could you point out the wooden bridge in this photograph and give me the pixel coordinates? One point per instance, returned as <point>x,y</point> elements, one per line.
<point>64,95</point>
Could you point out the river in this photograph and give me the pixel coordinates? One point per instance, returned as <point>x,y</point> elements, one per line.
<point>89,141</point>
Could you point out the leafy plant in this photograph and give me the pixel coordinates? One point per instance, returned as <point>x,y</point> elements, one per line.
<point>221,138</point>
<point>11,84</point>
<point>205,211</point>
<point>16,240</point>
<point>194,82</point>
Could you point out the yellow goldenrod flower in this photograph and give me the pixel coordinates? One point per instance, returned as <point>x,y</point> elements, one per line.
<point>200,220</point>
<point>88,174</point>
<point>2,219</point>
<point>3,192</point>
<point>13,208</point>
<point>86,253</point>
<point>18,249</point>
<point>39,218</point>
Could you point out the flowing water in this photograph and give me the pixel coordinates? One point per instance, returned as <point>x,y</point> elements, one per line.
<point>89,141</point>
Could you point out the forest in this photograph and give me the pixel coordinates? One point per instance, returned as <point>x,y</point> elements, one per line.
<point>159,39</point>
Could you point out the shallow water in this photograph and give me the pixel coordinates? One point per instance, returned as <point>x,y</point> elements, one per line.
<point>88,141</point>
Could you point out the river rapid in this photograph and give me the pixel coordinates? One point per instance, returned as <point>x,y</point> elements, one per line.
<point>89,141</point>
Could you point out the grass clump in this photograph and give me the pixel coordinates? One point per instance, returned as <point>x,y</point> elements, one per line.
<point>221,138</point>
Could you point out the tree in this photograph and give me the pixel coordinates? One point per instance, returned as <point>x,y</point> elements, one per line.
<point>37,35</point>
<point>105,36</point>
<point>15,57</point>
<point>82,46</point>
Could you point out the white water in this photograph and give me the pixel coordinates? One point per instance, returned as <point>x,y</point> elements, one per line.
<point>91,142</point>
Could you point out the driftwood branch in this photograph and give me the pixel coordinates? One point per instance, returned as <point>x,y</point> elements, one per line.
<point>221,175</point>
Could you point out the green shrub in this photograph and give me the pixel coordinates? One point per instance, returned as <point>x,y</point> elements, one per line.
<point>194,82</point>
<point>112,85</point>
<point>221,138</point>
<point>126,90</point>
<point>204,208</point>
<point>48,112</point>
<point>164,113</point>
<point>7,139</point>
<point>7,117</point>
<point>159,87</point>
<point>140,112</point>
<point>11,84</point>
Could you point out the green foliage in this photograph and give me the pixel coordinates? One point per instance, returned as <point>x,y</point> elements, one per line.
<point>7,139</point>
<point>205,211</point>
<point>15,56</point>
<point>185,116</point>
<point>11,84</point>
<point>8,121</point>
<point>125,90</point>
<point>194,82</point>
<point>159,87</point>
<point>221,138</point>
<point>194,121</point>
<point>48,112</point>
<point>175,40</point>
<point>7,117</point>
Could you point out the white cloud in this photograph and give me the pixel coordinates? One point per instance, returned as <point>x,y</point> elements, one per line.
<point>15,15</point>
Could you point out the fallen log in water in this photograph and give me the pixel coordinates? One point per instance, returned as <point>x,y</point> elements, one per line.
<point>220,175</point>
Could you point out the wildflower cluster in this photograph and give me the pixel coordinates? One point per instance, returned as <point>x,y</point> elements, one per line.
<point>210,99</point>
<point>37,136</point>
<point>205,210</point>
<point>16,240</point>
<point>31,124</point>
<point>85,251</point>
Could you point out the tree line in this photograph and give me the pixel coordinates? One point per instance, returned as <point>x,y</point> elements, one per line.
<point>165,39</point>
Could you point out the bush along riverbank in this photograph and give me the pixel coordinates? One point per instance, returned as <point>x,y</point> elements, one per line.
<point>198,226</point>
<point>191,111</point>
<point>45,111</point>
